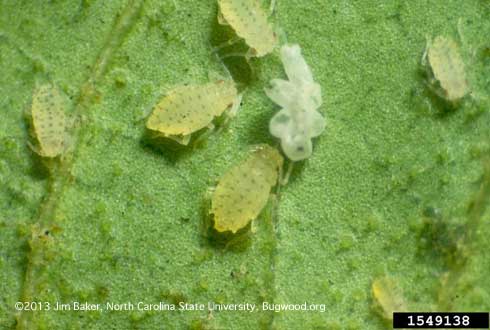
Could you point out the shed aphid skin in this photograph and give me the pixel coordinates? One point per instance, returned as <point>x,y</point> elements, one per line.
<point>300,96</point>
<point>445,65</point>
<point>250,23</point>
<point>295,129</point>
<point>244,190</point>
<point>187,109</point>
<point>49,121</point>
<point>388,296</point>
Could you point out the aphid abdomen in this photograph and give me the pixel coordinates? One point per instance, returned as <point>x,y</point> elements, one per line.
<point>188,109</point>
<point>244,190</point>
<point>49,120</point>
<point>249,21</point>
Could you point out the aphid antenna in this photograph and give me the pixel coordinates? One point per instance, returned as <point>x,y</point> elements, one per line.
<point>15,45</point>
<point>461,32</point>
<point>227,43</point>
<point>428,41</point>
<point>281,35</point>
<point>223,66</point>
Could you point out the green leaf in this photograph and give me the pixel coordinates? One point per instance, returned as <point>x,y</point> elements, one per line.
<point>398,184</point>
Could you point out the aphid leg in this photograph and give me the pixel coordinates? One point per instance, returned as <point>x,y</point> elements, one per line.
<point>284,178</point>
<point>427,46</point>
<point>247,55</point>
<point>68,142</point>
<point>231,113</point>
<point>429,105</point>
<point>204,135</point>
<point>143,114</point>
<point>185,139</point>
<point>234,108</point>
<point>221,18</point>
<point>209,193</point>
<point>35,149</point>
<point>253,227</point>
<point>228,43</point>
<point>274,198</point>
<point>212,75</point>
<point>182,139</point>
<point>281,35</point>
<point>27,112</point>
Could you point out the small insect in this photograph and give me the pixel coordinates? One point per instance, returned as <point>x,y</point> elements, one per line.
<point>49,121</point>
<point>388,296</point>
<point>244,190</point>
<point>446,67</point>
<point>188,109</point>
<point>249,21</point>
<point>300,96</point>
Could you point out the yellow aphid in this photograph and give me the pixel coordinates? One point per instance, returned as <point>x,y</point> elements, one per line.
<point>187,109</point>
<point>249,21</point>
<point>388,296</point>
<point>244,190</point>
<point>447,67</point>
<point>49,120</point>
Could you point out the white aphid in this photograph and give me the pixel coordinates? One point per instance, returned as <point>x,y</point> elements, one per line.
<point>300,96</point>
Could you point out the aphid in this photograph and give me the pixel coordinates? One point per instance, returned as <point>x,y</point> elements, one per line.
<point>298,122</point>
<point>249,21</point>
<point>187,109</point>
<point>447,67</point>
<point>243,191</point>
<point>388,296</point>
<point>49,121</point>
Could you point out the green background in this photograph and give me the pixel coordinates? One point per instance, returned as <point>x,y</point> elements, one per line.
<point>397,184</point>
